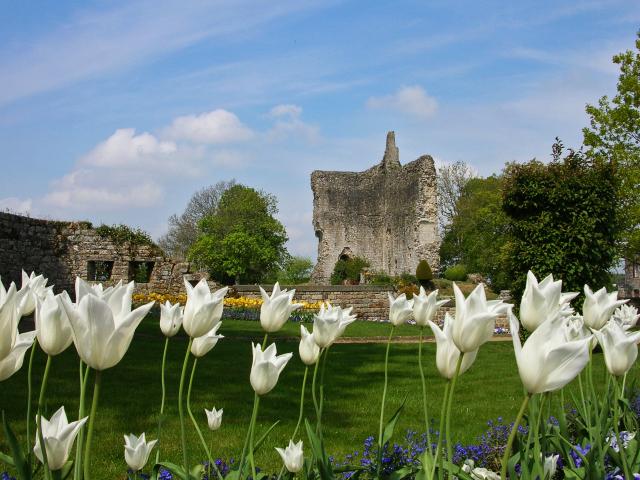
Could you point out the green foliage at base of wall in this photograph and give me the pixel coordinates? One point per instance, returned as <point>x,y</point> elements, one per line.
<point>348,269</point>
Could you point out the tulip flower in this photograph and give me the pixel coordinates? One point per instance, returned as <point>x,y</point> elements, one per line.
<point>103,327</point>
<point>541,301</point>
<point>626,315</point>
<point>598,307</point>
<point>203,309</point>
<point>447,353</point>
<point>329,324</point>
<point>52,324</point>
<point>548,360</point>
<point>276,309</point>
<point>137,450</point>
<point>8,319</point>
<point>266,368</point>
<point>83,288</point>
<point>475,318</point>
<point>620,347</point>
<point>292,456</point>
<point>214,418</point>
<point>308,349</point>
<point>12,362</point>
<point>58,436</point>
<point>574,328</point>
<point>425,306</point>
<point>550,466</point>
<point>400,309</point>
<point>170,318</point>
<point>202,345</point>
<point>33,287</point>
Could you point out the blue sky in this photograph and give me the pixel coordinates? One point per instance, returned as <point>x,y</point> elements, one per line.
<point>117,112</point>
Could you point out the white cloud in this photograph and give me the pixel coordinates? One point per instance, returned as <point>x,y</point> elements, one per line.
<point>126,149</point>
<point>411,100</point>
<point>290,125</point>
<point>15,205</point>
<point>215,127</point>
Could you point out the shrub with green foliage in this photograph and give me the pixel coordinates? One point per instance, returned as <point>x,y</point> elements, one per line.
<point>348,269</point>
<point>457,273</point>
<point>122,234</point>
<point>563,219</point>
<point>380,278</point>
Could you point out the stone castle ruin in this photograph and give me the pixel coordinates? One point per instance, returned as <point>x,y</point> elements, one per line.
<point>386,214</point>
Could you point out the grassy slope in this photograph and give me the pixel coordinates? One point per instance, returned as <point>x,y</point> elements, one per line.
<point>131,393</point>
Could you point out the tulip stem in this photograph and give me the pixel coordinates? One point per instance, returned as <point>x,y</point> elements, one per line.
<point>449,404</point>
<point>252,427</point>
<point>160,418</point>
<point>322,369</point>
<point>195,423</point>
<point>424,388</point>
<point>512,435</point>
<point>183,435</point>
<point>29,394</point>
<point>304,383</point>
<point>92,418</point>
<point>616,427</point>
<point>384,399</point>
<point>313,389</point>
<point>84,378</point>
<point>439,455</point>
<point>43,387</point>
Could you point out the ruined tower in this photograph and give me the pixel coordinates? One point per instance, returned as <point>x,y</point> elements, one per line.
<point>386,214</point>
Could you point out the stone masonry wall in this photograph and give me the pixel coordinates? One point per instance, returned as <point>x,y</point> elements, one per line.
<point>62,250</point>
<point>387,214</point>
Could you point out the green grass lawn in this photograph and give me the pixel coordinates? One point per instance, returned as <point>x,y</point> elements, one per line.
<point>131,391</point>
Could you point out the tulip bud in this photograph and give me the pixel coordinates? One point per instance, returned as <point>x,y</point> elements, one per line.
<point>620,348</point>
<point>308,348</point>
<point>330,323</point>
<point>137,450</point>
<point>550,466</point>
<point>202,345</point>
<point>33,288</point>
<point>170,318</point>
<point>8,319</point>
<point>58,436</point>
<point>400,309</point>
<point>598,307</point>
<point>277,308</point>
<point>292,456</point>
<point>52,325</point>
<point>214,418</point>
<point>447,354</point>
<point>266,368</point>
<point>425,307</point>
<point>542,301</point>
<point>203,309</point>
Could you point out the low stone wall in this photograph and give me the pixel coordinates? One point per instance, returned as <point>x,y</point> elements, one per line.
<point>369,302</point>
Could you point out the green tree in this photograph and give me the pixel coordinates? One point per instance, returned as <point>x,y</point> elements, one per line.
<point>296,270</point>
<point>614,134</point>
<point>241,241</point>
<point>563,219</point>
<point>477,235</point>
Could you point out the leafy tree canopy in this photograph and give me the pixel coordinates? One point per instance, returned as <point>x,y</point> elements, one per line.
<point>241,241</point>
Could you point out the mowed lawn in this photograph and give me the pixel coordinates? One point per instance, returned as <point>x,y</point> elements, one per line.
<point>131,392</point>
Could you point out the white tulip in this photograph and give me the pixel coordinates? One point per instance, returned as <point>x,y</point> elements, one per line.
<point>277,308</point>
<point>266,368</point>
<point>292,456</point>
<point>400,309</point>
<point>58,436</point>
<point>550,466</point>
<point>447,354</point>
<point>83,288</point>
<point>620,347</point>
<point>478,473</point>
<point>12,362</point>
<point>170,318</point>
<point>548,360</point>
<point>8,319</point>
<point>425,306</point>
<point>203,309</point>
<point>34,287</point>
<point>202,345</point>
<point>574,328</point>
<point>475,318</point>
<point>52,324</point>
<point>542,301</point>
<point>137,450</point>
<point>214,418</point>
<point>626,315</point>
<point>103,327</point>
<point>308,349</point>
<point>598,307</point>
<point>329,324</point>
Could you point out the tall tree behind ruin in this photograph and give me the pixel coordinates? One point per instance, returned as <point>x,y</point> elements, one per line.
<point>183,228</point>
<point>452,178</point>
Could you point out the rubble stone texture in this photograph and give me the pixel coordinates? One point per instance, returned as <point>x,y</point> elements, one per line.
<point>386,214</point>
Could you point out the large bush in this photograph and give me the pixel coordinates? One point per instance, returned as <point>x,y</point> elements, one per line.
<point>424,275</point>
<point>457,273</point>
<point>563,219</point>
<point>348,269</point>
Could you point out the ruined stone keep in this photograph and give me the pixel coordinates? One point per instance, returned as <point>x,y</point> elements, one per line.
<point>386,214</point>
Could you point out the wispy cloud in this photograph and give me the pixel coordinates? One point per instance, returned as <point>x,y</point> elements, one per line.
<point>411,100</point>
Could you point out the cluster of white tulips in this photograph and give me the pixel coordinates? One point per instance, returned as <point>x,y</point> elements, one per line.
<point>101,324</point>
